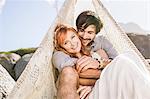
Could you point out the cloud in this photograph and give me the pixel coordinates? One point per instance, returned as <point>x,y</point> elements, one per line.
<point>2,3</point>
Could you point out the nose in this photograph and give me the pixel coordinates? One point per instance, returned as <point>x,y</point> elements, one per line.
<point>84,36</point>
<point>82,33</point>
<point>72,44</point>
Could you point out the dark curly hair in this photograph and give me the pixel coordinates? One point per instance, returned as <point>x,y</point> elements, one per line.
<point>87,18</point>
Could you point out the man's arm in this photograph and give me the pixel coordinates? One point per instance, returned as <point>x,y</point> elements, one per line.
<point>102,43</point>
<point>109,48</point>
<point>102,53</point>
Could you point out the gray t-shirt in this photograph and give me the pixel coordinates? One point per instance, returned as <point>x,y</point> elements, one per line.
<point>61,59</point>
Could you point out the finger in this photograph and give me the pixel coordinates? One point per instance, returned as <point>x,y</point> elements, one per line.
<point>104,59</point>
<point>109,60</point>
<point>84,59</point>
<point>84,68</point>
<point>83,65</point>
<point>87,94</point>
<point>80,68</point>
<point>79,61</point>
<point>77,67</point>
<point>84,93</point>
<point>81,88</point>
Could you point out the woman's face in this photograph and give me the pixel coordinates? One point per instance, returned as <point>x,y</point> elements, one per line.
<point>71,43</point>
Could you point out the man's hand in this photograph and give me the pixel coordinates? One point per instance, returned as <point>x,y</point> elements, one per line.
<point>86,62</point>
<point>105,62</point>
<point>84,91</point>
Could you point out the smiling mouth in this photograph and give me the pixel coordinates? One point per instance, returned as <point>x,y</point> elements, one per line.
<point>85,41</point>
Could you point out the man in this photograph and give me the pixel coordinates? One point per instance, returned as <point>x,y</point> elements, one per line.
<point>88,25</point>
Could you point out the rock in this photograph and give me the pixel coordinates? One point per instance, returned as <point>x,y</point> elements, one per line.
<point>8,60</point>
<point>7,83</point>
<point>21,64</point>
<point>142,42</point>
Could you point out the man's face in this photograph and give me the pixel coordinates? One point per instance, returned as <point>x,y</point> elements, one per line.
<point>87,35</point>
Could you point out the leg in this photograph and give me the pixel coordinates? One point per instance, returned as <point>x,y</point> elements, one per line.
<point>68,83</point>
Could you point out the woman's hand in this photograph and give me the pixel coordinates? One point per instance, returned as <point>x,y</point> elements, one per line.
<point>84,91</point>
<point>86,62</point>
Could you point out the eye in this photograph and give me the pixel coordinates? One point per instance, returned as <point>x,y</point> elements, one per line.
<point>73,36</point>
<point>81,30</point>
<point>90,32</point>
<point>65,43</point>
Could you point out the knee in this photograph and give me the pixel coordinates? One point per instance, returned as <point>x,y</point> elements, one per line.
<point>69,73</point>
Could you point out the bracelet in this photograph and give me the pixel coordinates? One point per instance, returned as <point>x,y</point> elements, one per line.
<point>101,65</point>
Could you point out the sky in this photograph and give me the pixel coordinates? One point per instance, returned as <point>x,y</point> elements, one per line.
<point>24,23</point>
<point>137,11</point>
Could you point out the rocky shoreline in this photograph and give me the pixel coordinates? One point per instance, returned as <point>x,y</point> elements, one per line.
<point>15,61</point>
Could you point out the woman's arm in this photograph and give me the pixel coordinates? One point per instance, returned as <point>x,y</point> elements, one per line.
<point>87,82</point>
<point>89,77</point>
<point>90,74</point>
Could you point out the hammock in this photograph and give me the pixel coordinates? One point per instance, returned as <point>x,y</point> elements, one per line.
<point>6,82</point>
<point>37,80</point>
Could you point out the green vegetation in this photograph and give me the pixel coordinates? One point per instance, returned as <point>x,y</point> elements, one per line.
<point>5,52</point>
<point>21,51</point>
